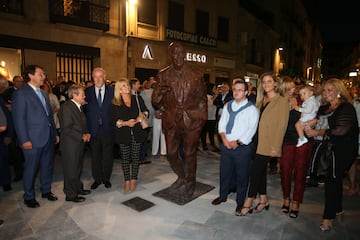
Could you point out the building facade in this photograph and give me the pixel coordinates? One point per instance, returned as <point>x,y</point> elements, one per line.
<point>130,38</point>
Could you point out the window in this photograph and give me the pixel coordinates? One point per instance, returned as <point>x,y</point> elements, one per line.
<point>12,6</point>
<point>176,16</point>
<point>74,67</point>
<point>223,29</point>
<point>202,23</point>
<point>86,13</point>
<point>147,12</point>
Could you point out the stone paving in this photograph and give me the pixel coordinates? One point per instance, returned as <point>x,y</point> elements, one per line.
<point>104,216</point>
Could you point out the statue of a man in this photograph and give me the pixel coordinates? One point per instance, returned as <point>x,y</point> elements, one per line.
<point>180,91</point>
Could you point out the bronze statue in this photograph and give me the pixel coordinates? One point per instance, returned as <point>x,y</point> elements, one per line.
<point>181,92</point>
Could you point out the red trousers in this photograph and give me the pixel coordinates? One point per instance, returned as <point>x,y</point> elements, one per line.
<point>294,163</point>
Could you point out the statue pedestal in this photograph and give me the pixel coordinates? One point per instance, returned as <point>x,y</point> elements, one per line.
<point>179,197</point>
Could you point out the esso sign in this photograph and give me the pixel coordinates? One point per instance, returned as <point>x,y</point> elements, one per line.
<point>194,57</point>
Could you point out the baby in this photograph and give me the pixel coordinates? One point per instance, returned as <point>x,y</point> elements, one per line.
<point>308,111</point>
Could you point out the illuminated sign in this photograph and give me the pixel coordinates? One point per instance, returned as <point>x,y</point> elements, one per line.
<point>195,57</point>
<point>147,53</point>
<point>190,38</point>
<point>353,74</point>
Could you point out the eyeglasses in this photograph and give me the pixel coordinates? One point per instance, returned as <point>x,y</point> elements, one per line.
<point>238,90</point>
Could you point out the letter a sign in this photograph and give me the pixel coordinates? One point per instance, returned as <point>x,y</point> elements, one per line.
<point>147,54</point>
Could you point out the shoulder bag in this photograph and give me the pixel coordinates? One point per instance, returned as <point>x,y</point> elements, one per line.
<point>145,121</point>
<point>323,159</point>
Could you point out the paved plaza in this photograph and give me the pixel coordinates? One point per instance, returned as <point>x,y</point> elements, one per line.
<point>105,216</point>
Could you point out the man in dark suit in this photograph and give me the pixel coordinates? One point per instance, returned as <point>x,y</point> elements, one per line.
<point>5,132</point>
<point>181,92</point>
<point>223,95</point>
<point>97,109</point>
<point>16,157</point>
<point>74,135</point>
<point>37,135</point>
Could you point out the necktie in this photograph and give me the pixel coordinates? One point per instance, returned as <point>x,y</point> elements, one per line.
<point>42,99</point>
<point>99,98</point>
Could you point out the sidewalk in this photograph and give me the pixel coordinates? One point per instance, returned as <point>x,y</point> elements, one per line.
<point>103,216</point>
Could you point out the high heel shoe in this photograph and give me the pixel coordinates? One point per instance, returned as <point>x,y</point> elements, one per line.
<point>132,185</point>
<point>326,225</point>
<point>127,186</point>
<point>286,205</point>
<point>265,205</point>
<point>294,213</point>
<point>242,213</point>
<point>285,209</point>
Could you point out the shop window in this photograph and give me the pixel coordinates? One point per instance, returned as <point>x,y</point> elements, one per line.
<point>176,16</point>
<point>74,67</point>
<point>10,62</point>
<point>202,23</point>
<point>223,29</point>
<point>12,6</point>
<point>147,12</point>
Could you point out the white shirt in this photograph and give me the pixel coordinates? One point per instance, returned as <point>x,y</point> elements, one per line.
<point>245,124</point>
<point>146,95</point>
<point>211,108</point>
<point>102,92</point>
<point>309,109</point>
<point>33,87</point>
<point>78,105</point>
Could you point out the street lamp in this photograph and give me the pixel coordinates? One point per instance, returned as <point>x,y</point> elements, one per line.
<point>308,73</point>
<point>278,63</point>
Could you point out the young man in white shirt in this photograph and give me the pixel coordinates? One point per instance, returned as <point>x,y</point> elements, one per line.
<point>237,126</point>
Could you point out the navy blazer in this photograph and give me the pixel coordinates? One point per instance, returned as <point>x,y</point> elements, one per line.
<point>31,121</point>
<point>93,111</point>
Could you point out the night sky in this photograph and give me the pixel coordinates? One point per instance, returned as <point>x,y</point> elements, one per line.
<point>339,20</point>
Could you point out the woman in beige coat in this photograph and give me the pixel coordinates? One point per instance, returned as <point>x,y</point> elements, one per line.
<point>274,115</point>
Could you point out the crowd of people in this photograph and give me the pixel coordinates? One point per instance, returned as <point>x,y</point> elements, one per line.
<point>279,120</point>
<point>292,120</point>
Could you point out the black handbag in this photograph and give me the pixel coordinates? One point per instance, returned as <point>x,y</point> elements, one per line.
<point>323,159</point>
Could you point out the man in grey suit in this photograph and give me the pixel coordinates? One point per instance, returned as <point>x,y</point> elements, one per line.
<point>37,135</point>
<point>74,135</point>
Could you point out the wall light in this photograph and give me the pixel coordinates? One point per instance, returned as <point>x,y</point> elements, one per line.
<point>133,2</point>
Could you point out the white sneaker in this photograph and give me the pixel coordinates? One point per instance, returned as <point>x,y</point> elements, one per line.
<point>301,141</point>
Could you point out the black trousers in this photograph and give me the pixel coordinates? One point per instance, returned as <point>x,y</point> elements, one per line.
<point>73,162</point>
<point>209,127</point>
<point>257,184</point>
<point>16,158</point>
<point>333,187</point>
<point>102,156</point>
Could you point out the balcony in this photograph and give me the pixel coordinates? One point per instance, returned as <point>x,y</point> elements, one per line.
<point>12,6</point>
<point>91,14</point>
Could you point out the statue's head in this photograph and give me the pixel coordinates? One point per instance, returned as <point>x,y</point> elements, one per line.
<point>177,55</point>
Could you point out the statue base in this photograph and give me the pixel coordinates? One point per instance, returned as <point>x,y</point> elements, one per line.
<point>178,195</point>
